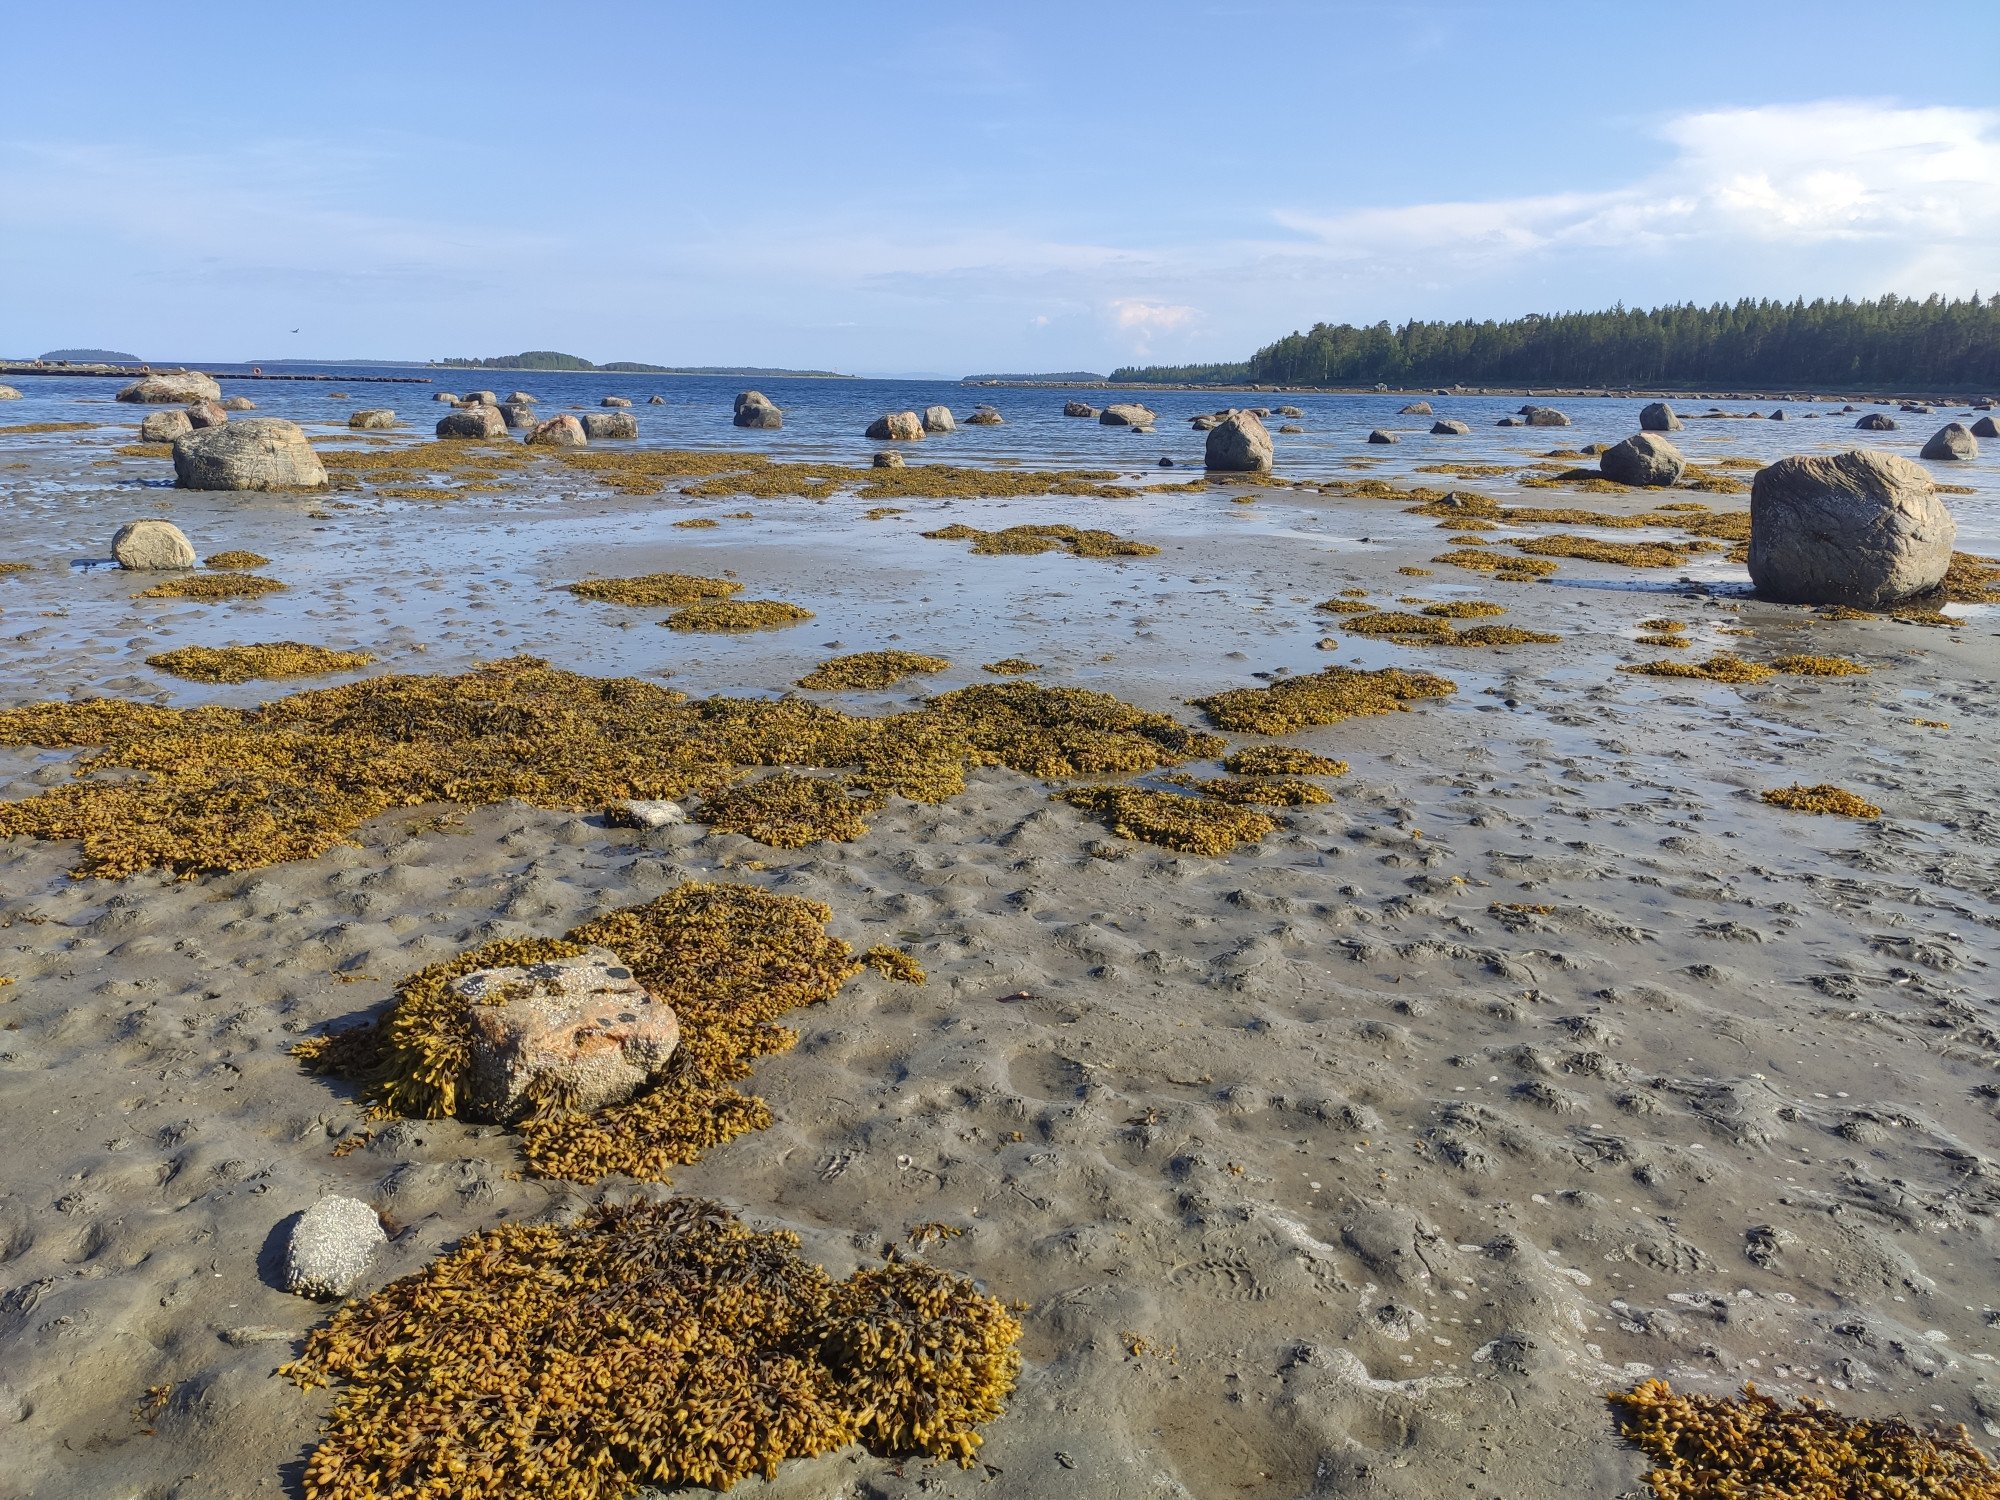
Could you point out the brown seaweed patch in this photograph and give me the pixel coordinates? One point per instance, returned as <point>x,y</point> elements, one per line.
<point>1664,639</point>
<point>655,589</point>
<point>1030,541</point>
<point>236,559</point>
<point>894,963</point>
<point>1972,579</point>
<point>274,659</point>
<point>1465,609</point>
<point>1625,554</point>
<point>867,670</point>
<point>1257,791</point>
<point>1500,564</point>
<point>788,811</point>
<point>1804,664</point>
<point>1316,698</point>
<point>1011,666</point>
<point>696,523</point>
<point>1823,798</point>
<point>1188,825</point>
<point>738,614</point>
<point>210,587</point>
<point>10,567</point>
<point>1751,1447</point>
<point>1721,667</point>
<point>883,512</point>
<point>29,429</point>
<point>1281,760</point>
<point>1344,606</point>
<point>656,1342</point>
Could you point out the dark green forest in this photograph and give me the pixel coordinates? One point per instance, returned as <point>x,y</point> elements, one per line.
<point>1887,343</point>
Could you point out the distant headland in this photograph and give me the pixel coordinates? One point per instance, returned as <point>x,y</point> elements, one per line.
<point>88,357</point>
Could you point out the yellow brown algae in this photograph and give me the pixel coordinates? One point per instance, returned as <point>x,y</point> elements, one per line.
<point>1500,564</point>
<point>1663,639</point>
<point>15,567</point>
<point>1823,798</point>
<point>729,959</point>
<point>1188,825</point>
<point>1625,554</point>
<point>236,559</point>
<point>894,963</point>
<point>1498,635</point>
<point>1316,698</point>
<point>1662,623</point>
<point>209,587</point>
<point>1806,665</point>
<point>738,614</point>
<point>231,789</point>
<point>1415,572</point>
<point>1721,667</point>
<point>29,429</point>
<point>1281,760</point>
<point>869,670</point>
<point>1752,1447</point>
<point>759,478</point>
<point>1972,579</point>
<point>1464,609</point>
<point>142,450</point>
<point>1388,624</point>
<point>1473,471</point>
<point>1031,541</point>
<point>1343,607</point>
<point>655,589</point>
<point>274,659</point>
<point>1011,666</point>
<point>660,1342</point>
<point>1256,791</point>
<point>788,811</point>
<point>698,523</point>
<point>883,512</point>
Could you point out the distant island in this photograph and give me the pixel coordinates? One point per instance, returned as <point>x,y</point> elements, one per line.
<point>551,360</point>
<point>89,357</point>
<point>1820,345</point>
<point>1061,377</point>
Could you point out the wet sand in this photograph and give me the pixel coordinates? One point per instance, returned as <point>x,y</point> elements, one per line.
<point>1545,1056</point>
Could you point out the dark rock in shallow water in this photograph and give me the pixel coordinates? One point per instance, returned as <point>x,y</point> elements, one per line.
<point>1449,427</point>
<point>609,424</point>
<point>1658,417</point>
<point>1952,442</point>
<point>1643,460</point>
<point>1875,421</point>
<point>897,427</point>
<point>1380,436</point>
<point>1238,445</point>
<point>474,421</point>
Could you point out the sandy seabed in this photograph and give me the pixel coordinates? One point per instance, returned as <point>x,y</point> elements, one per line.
<point>1544,1057</point>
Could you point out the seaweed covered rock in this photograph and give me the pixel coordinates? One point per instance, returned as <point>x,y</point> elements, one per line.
<point>755,409</point>
<point>897,427</point>
<point>938,419</point>
<point>152,544</point>
<point>472,420</point>
<point>1861,528</point>
<point>373,418</point>
<point>165,426</point>
<point>1125,414</point>
<point>1952,442</point>
<point>568,1034</point>
<point>1078,409</point>
<point>1643,460</point>
<point>331,1248</point>
<point>986,416</point>
<point>172,390</point>
<point>1877,421</point>
<point>609,424</point>
<point>1239,444</point>
<point>1449,427</point>
<point>1658,417</point>
<point>260,453</point>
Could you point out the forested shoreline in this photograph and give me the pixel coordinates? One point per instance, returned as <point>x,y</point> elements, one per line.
<point>1879,343</point>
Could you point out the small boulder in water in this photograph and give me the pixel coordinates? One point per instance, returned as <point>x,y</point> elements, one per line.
<point>757,410</point>
<point>614,401</point>
<point>1379,435</point>
<point>238,403</point>
<point>1658,417</point>
<point>939,419</point>
<point>1078,409</point>
<point>1415,409</point>
<point>172,390</point>
<point>897,427</point>
<point>518,398</point>
<point>610,424</point>
<point>889,458</point>
<point>557,432</point>
<point>1643,460</point>
<point>1543,416</point>
<point>1985,427</point>
<point>474,421</point>
<point>1877,421</point>
<point>1238,445</point>
<point>373,417</point>
<point>1952,442</point>
<point>1125,414</point>
<point>1449,427</point>
<point>205,414</point>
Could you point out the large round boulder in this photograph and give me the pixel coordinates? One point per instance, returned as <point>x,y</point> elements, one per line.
<point>1643,460</point>
<point>1985,427</point>
<point>165,426</point>
<point>656,400</point>
<point>897,427</point>
<point>558,432</point>
<point>1078,409</point>
<point>614,401</point>
<point>1450,427</point>
<point>1238,445</point>
<point>609,424</point>
<point>1658,417</point>
<point>207,414</point>
<point>1953,441</point>
<point>1877,421</point>
<point>1861,528</point>
<point>258,453</point>
<point>517,415</point>
<point>757,410</point>
<point>172,390</point>
<point>1543,416</point>
<point>472,421</point>
<point>1125,414</point>
<point>152,544</point>
<point>938,419</point>
<point>373,417</point>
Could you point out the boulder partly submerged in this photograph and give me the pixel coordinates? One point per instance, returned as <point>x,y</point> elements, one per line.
<point>203,414</point>
<point>1643,460</point>
<point>1877,421</point>
<point>258,453</point>
<point>151,544</point>
<point>1861,528</point>
<point>1543,416</point>
<point>756,410</point>
<point>1985,427</point>
<point>1126,414</point>
<point>897,427</point>
<point>939,419</point>
<point>1239,444</point>
<point>475,420</point>
<point>1658,417</point>
<point>1449,427</point>
<point>609,424</point>
<point>8,393</point>
<point>1078,409</point>
<point>1952,442</point>
<point>562,431</point>
<point>172,390</point>
<point>1383,435</point>
<point>375,417</point>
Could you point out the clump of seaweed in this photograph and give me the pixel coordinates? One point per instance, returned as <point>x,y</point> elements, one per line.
<point>1823,798</point>
<point>1011,666</point>
<point>867,670</point>
<point>1804,664</point>
<point>788,811</point>
<point>211,587</point>
<point>738,614</point>
<point>1625,554</point>
<point>883,512</point>
<point>659,1342</point>
<point>28,429</point>
<point>273,659</point>
<point>1391,625</point>
<point>696,523</point>
<point>1429,629</point>
<point>1316,698</point>
<point>1343,606</point>
<point>1751,1446</point>
<point>1972,579</point>
<point>1724,666</point>
<point>14,567</point>
<point>1188,825</point>
<point>1499,564</point>
<point>1464,609</point>
<point>1281,760</point>
<point>894,963</point>
<point>1031,541</point>
<point>1257,791</point>
<point>655,589</point>
<point>1500,635</point>
<point>236,559</point>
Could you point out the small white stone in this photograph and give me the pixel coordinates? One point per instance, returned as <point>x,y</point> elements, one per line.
<point>331,1248</point>
<point>641,813</point>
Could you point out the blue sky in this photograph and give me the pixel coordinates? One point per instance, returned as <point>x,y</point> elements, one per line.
<point>904,188</point>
